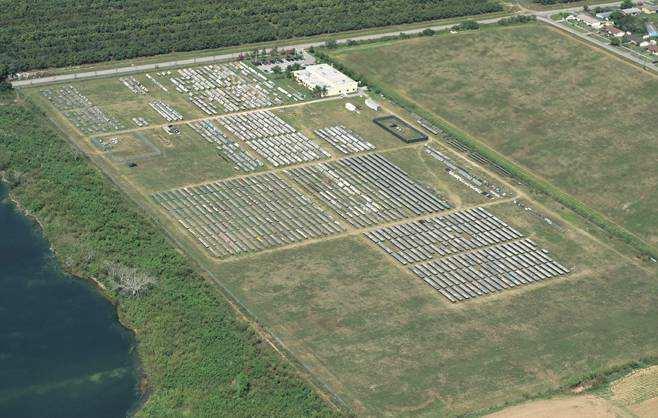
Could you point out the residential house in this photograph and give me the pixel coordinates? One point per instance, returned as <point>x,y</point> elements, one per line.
<point>649,9</point>
<point>603,15</point>
<point>589,20</point>
<point>632,11</point>
<point>616,32</point>
<point>635,40</point>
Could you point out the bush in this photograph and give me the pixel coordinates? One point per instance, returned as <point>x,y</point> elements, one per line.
<point>467,25</point>
<point>516,20</point>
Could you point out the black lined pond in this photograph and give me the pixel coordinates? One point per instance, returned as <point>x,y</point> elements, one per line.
<point>63,352</point>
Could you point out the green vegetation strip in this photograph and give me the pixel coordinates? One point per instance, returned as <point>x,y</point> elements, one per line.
<point>518,172</point>
<point>185,55</point>
<point>198,357</point>
<point>41,35</point>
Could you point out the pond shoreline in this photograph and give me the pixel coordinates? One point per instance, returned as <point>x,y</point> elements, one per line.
<point>143,382</point>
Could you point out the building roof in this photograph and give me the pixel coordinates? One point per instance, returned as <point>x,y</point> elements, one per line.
<point>651,29</point>
<point>603,15</point>
<point>587,18</point>
<point>631,11</point>
<point>323,75</point>
<point>636,39</point>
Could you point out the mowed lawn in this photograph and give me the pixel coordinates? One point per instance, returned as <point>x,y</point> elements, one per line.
<point>572,114</point>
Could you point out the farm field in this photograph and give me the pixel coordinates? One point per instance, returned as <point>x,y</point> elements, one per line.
<point>569,113</point>
<point>382,340</point>
<point>285,223</point>
<point>178,161</point>
<point>632,395</point>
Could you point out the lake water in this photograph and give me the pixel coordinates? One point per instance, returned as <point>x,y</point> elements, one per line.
<point>62,351</point>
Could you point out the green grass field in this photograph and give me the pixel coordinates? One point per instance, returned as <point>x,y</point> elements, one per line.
<point>383,341</point>
<point>331,113</point>
<point>186,159</point>
<point>389,346</point>
<point>431,173</point>
<point>574,115</point>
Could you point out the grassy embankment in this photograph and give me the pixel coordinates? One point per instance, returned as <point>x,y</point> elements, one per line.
<point>199,358</point>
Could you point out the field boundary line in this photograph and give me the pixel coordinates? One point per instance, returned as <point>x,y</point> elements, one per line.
<point>517,171</point>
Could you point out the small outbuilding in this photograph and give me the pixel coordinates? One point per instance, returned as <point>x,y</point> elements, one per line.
<point>373,105</point>
<point>649,9</point>
<point>631,11</point>
<point>589,20</point>
<point>603,15</point>
<point>616,32</point>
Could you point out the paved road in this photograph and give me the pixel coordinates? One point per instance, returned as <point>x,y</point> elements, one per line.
<point>549,13</point>
<point>214,58</point>
<point>605,45</point>
<point>544,16</point>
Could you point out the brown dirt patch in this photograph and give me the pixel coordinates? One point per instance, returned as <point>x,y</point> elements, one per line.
<point>586,406</point>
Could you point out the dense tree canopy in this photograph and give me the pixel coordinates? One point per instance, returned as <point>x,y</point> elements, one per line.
<point>629,23</point>
<point>49,33</point>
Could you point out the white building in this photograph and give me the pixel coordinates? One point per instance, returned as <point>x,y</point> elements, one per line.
<point>589,20</point>
<point>373,105</point>
<point>326,76</point>
<point>631,11</point>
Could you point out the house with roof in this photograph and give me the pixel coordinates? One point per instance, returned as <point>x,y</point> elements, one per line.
<point>635,39</point>
<point>649,9</point>
<point>631,11</point>
<point>326,77</point>
<point>589,20</point>
<point>616,32</point>
<point>603,15</point>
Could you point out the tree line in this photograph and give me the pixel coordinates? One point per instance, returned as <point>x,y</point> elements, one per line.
<point>55,33</point>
